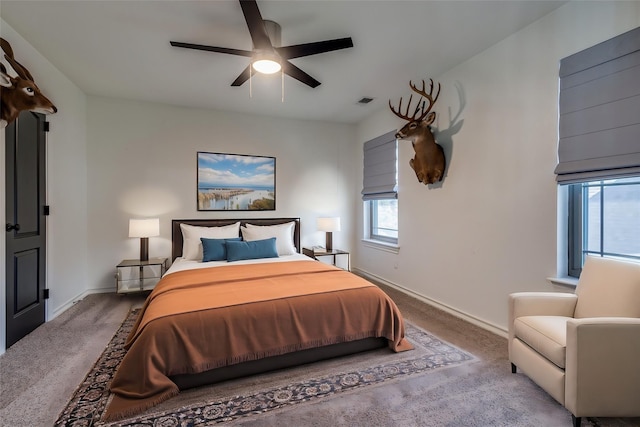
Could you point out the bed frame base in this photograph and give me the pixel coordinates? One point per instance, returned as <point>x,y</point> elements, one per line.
<point>186,381</point>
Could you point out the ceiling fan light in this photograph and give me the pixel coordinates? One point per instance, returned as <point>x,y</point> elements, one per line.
<point>266,66</point>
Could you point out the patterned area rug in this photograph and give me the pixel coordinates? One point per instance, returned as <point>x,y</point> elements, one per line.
<point>90,399</point>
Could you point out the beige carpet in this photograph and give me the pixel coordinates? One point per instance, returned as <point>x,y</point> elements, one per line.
<point>39,374</point>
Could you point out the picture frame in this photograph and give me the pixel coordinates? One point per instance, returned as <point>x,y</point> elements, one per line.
<point>235,182</point>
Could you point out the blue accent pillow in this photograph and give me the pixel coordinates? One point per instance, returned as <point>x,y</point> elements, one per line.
<point>215,249</point>
<point>237,251</point>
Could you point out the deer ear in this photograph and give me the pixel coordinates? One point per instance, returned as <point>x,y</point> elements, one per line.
<point>20,70</point>
<point>5,80</point>
<point>430,118</point>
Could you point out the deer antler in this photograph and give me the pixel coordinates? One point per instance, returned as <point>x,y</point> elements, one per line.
<point>428,96</point>
<point>419,108</point>
<point>406,115</point>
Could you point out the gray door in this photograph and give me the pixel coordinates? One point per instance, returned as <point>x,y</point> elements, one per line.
<point>25,227</point>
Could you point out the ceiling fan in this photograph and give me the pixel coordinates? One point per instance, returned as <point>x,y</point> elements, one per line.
<point>265,35</point>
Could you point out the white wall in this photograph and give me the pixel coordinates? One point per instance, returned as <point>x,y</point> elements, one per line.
<point>66,183</point>
<point>489,228</point>
<point>141,162</point>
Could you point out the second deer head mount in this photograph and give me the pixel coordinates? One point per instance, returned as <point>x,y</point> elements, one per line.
<point>429,161</point>
<point>18,91</point>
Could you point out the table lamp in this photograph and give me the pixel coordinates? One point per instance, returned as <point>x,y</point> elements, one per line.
<point>144,228</point>
<point>329,225</point>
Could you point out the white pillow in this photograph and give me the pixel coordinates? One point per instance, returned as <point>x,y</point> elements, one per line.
<point>282,232</point>
<point>191,243</point>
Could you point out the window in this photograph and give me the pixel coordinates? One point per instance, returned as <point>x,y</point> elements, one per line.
<point>379,188</point>
<point>604,220</point>
<point>383,220</point>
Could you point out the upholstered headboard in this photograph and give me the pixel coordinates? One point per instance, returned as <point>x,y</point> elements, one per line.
<point>176,232</point>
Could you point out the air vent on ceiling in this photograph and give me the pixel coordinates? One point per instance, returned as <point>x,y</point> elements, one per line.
<point>365,100</point>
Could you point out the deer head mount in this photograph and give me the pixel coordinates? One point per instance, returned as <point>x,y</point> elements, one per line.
<point>429,162</point>
<point>18,91</point>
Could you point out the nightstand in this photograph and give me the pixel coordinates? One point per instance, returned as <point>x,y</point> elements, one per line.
<point>317,253</point>
<point>133,275</point>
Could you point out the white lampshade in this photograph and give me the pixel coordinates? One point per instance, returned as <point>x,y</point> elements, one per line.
<point>266,66</point>
<point>329,224</point>
<point>266,63</point>
<point>144,227</point>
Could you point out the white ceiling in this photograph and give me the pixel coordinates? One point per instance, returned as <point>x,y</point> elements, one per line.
<point>121,48</point>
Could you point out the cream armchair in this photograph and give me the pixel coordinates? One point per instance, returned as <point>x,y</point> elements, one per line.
<point>583,348</point>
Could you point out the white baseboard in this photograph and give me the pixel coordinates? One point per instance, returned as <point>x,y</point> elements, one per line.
<point>437,304</point>
<point>64,307</point>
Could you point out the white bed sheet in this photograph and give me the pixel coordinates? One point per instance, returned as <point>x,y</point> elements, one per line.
<point>181,264</point>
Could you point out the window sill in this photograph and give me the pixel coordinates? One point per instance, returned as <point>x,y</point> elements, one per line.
<point>571,282</point>
<point>383,246</point>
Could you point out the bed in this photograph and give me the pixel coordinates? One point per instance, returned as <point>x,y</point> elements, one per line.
<point>255,305</point>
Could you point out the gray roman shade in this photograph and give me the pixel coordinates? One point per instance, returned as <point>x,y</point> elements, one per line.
<point>380,173</point>
<point>599,123</point>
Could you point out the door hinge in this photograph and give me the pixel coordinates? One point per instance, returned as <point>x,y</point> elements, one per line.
<point>45,293</point>
<point>46,126</point>
<point>45,210</point>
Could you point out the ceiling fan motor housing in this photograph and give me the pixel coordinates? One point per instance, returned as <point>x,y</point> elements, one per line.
<point>274,31</point>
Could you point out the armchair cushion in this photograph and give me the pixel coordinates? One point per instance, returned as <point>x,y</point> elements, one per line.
<point>545,334</point>
<point>608,287</point>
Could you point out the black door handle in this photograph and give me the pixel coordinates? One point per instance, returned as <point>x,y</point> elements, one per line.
<point>13,227</point>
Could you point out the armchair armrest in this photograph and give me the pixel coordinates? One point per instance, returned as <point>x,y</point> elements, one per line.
<point>541,304</point>
<point>602,367</point>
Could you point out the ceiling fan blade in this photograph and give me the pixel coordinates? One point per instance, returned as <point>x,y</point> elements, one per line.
<point>243,77</point>
<point>256,26</point>
<point>295,72</point>
<point>307,49</point>
<point>239,52</point>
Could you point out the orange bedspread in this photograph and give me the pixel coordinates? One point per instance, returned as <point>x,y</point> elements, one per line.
<point>207,318</point>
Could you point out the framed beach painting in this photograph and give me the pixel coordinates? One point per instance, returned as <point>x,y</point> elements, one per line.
<point>236,182</point>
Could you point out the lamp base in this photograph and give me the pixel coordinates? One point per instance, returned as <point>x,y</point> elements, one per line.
<point>144,249</point>
<point>329,241</point>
